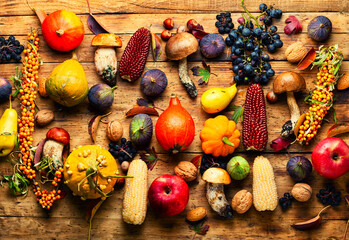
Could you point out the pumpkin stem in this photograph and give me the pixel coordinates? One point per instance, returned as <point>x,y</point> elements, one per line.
<point>226,141</point>
<point>113,88</point>
<point>60,32</point>
<point>74,56</point>
<point>173,95</point>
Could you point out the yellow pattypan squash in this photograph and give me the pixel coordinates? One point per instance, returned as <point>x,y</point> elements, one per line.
<point>219,136</point>
<point>90,172</point>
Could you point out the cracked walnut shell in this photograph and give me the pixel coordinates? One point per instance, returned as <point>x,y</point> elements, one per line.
<point>186,170</point>
<point>295,52</point>
<point>242,201</point>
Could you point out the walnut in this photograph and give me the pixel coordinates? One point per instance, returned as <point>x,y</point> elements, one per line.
<point>115,131</point>
<point>295,52</point>
<point>301,192</point>
<point>196,214</point>
<point>242,201</point>
<point>44,117</point>
<point>186,170</point>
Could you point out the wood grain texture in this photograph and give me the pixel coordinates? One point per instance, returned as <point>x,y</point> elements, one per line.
<point>67,219</point>
<point>172,6</point>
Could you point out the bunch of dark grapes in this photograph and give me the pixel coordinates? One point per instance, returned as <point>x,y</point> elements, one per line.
<point>329,195</point>
<point>125,151</point>
<point>248,44</point>
<point>225,23</point>
<point>208,161</point>
<point>268,13</point>
<point>286,201</point>
<point>10,49</point>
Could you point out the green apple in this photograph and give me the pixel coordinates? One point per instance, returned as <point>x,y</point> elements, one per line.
<point>238,168</point>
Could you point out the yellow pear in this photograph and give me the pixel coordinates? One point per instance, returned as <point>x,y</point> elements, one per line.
<point>8,131</point>
<point>215,100</point>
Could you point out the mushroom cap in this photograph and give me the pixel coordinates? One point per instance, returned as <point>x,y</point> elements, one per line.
<point>59,135</point>
<point>288,82</point>
<point>181,45</point>
<point>216,175</point>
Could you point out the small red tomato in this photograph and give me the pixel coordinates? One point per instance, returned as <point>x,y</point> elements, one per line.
<point>166,35</point>
<point>168,23</point>
<point>271,97</point>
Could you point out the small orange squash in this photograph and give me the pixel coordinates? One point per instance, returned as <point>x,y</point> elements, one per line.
<point>219,136</point>
<point>175,128</point>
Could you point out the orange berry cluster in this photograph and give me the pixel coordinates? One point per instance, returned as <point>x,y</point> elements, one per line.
<point>31,64</point>
<point>321,99</point>
<point>45,198</point>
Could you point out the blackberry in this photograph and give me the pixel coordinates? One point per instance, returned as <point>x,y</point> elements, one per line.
<point>224,23</point>
<point>125,151</point>
<point>329,195</point>
<point>10,49</point>
<point>286,201</point>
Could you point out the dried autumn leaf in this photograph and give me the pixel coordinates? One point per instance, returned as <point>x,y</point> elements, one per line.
<point>307,59</point>
<point>205,72</point>
<point>93,125</point>
<point>93,24</point>
<point>196,161</point>
<point>338,129</point>
<point>199,33</point>
<point>38,152</point>
<point>199,227</point>
<point>141,109</point>
<point>292,25</point>
<point>92,208</point>
<point>150,157</point>
<point>39,13</point>
<point>155,46</point>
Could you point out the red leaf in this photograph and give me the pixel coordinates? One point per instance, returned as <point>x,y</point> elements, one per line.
<point>196,161</point>
<point>199,34</point>
<point>37,156</point>
<point>141,109</point>
<point>279,144</point>
<point>293,25</point>
<point>307,59</point>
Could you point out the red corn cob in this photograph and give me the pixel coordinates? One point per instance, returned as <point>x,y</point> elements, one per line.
<point>254,125</point>
<point>133,59</point>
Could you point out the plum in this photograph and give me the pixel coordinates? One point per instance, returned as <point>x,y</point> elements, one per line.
<point>212,45</point>
<point>5,90</point>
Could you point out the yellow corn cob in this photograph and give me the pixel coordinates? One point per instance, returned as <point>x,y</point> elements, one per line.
<point>264,187</point>
<point>135,196</point>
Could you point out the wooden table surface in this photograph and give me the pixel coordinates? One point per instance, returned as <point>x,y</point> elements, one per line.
<point>24,218</point>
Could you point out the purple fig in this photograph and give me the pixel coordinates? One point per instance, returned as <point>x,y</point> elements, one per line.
<point>101,96</point>
<point>212,45</point>
<point>153,82</point>
<point>141,130</point>
<point>299,168</point>
<point>5,90</point>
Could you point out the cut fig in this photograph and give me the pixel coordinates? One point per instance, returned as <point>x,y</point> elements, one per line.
<point>106,40</point>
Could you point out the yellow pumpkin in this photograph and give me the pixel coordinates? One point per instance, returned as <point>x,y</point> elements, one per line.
<point>67,84</point>
<point>90,172</point>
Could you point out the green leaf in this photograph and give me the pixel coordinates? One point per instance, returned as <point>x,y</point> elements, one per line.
<point>334,116</point>
<point>205,72</point>
<point>238,112</point>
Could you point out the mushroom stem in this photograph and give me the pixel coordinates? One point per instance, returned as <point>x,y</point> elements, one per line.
<point>54,150</point>
<point>217,200</point>
<point>294,109</point>
<point>185,79</point>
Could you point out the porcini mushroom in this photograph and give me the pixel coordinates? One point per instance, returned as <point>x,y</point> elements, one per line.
<point>216,178</point>
<point>289,82</point>
<point>179,47</point>
<point>56,140</point>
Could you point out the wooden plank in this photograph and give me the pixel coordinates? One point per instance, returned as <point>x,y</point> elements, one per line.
<point>129,23</point>
<point>172,6</point>
<point>108,220</point>
<point>127,93</point>
<point>85,52</point>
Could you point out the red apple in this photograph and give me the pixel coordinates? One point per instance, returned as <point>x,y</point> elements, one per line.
<point>168,195</point>
<point>331,157</point>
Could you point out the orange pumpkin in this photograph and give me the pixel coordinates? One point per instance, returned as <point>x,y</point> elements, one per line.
<point>175,128</point>
<point>219,136</point>
<point>63,30</point>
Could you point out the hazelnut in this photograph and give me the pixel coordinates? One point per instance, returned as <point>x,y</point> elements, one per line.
<point>125,165</point>
<point>196,214</point>
<point>44,117</point>
<point>343,82</point>
<point>295,52</point>
<point>242,201</point>
<point>301,192</point>
<point>114,131</point>
<point>186,170</point>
